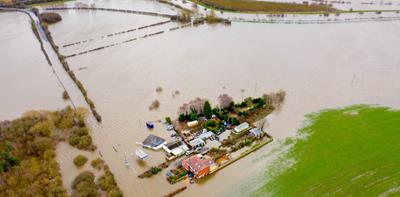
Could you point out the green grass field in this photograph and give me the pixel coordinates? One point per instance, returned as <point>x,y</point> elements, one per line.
<point>345,154</point>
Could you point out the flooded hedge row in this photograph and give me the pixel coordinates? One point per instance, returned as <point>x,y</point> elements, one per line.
<point>323,21</point>
<point>117,33</point>
<point>70,72</point>
<point>129,40</point>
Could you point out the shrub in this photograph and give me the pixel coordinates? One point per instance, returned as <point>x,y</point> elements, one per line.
<point>155,170</point>
<point>83,185</point>
<point>97,163</point>
<point>168,120</point>
<point>80,160</point>
<point>154,105</point>
<point>107,183</point>
<point>65,95</point>
<point>50,17</point>
<point>181,117</point>
<point>193,116</point>
<point>212,18</point>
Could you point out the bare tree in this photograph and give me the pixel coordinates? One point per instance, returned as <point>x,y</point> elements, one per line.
<point>224,100</point>
<point>275,99</point>
<point>196,104</point>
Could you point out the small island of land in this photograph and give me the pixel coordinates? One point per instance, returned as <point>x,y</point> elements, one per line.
<point>206,139</point>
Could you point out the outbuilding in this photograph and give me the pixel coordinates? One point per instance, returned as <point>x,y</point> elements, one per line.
<point>153,142</point>
<point>241,129</point>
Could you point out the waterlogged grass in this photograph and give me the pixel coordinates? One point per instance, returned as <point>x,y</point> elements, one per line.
<point>348,152</point>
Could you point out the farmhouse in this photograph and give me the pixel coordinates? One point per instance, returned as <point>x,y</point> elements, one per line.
<point>199,165</point>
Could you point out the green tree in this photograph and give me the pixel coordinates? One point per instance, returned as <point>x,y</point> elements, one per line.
<point>207,109</point>
<point>80,160</point>
<point>194,116</point>
<point>181,117</point>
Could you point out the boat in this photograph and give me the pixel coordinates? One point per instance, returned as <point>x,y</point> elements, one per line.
<point>149,125</point>
<point>141,154</point>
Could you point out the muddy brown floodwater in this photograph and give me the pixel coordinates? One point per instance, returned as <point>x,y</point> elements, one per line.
<point>319,66</point>
<point>26,79</point>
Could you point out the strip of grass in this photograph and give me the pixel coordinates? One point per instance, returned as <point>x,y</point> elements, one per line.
<point>262,6</point>
<point>348,152</point>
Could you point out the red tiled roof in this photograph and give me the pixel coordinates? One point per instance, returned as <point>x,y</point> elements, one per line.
<point>199,166</point>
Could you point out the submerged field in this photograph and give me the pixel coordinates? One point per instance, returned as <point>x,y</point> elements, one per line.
<point>351,151</point>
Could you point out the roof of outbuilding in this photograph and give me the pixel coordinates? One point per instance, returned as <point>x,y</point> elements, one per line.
<point>153,141</point>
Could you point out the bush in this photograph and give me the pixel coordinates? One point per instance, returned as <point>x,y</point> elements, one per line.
<point>97,163</point>
<point>80,160</point>
<point>108,184</point>
<point>181,117</point>
<point>50,17</point>
<point>155,170</point>
<point>168,120</point>
<point>84,186</point>
<point>234,121</point>
<point>81,139</point>
<point>193,116</point>
<point>65,95</point>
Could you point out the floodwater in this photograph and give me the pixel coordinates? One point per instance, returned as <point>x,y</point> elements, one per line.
<point>26,79</point>
<point>319,66</point>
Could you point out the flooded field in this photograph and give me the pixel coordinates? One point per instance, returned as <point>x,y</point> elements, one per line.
<point>318,66</point>
<point>26,79</point>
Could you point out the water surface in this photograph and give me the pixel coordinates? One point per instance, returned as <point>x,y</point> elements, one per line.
<point>319,66</point>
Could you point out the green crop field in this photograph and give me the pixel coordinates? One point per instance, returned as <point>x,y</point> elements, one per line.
<point>353,151</point>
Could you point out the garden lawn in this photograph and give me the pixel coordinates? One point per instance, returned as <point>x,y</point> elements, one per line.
<point>354,151</point>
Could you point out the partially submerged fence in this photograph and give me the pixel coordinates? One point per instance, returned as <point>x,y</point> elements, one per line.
<point>318,21</point>
<point>117,33</point>
<point>113,10</point>
<point>129,40</point>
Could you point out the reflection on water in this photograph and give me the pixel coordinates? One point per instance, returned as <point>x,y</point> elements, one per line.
<point>26,79</point>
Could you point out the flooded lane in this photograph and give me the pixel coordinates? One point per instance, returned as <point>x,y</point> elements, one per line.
<point>26,79</point>
<point>318,66</point>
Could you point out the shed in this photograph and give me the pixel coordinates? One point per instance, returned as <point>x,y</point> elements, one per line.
<point>256,132</point>
<point>240,129</point>
<point>193,123</point>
